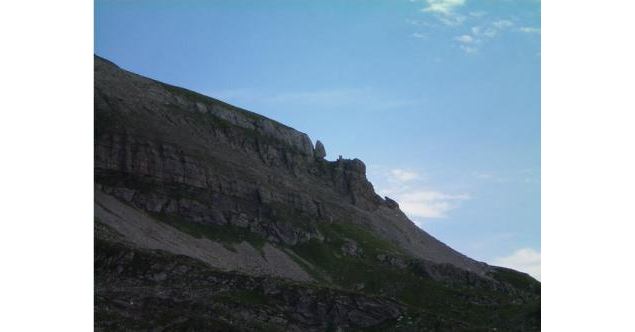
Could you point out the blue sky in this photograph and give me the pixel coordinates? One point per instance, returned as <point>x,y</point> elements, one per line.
<point>440,98</point>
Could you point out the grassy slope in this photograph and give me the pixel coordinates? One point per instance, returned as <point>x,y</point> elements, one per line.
<point>477,307</point>
<point>425,298</point>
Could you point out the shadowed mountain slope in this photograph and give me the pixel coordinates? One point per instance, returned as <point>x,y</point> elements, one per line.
<point>224,202</point>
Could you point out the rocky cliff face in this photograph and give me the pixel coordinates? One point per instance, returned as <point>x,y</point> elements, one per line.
<point>179,173</point>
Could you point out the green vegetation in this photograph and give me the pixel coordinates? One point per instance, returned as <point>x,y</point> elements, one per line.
<point>363,272</point>
<point>516,279</point>
<point>366,274</point>
<point>369,242</point>
<point>246,296</point>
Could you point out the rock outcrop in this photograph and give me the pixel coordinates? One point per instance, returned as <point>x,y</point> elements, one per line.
<point>320,151</point>
<point>391,203</point>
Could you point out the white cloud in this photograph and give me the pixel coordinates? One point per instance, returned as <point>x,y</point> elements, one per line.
<point>420,23</point>
<point>465,39</point>
<point>452,20</point>
<point>481,34</point>
<point>428,204</point>
<point>525,260</point>
<point>502,24</point>
<point>529,30</point>
<point>513,177</point>
<point>480,31</point>
<point>445,11</point>
<point>492,30</point>
<point>489,32</point>
<point>401,175</point>
<point>416,199</point>
<point>443,7</point>
<point>468,43</point>
<point>453,14</point>
<point>468,49</point>
<point>419,35</point>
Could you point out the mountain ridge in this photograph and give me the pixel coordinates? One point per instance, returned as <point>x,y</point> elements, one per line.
<point>303,144</point>
<point>180,173</point>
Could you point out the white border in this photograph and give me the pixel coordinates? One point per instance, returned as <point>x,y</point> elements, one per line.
<point>46,175</point>
<point>46,171</point>
<point>588,168</point>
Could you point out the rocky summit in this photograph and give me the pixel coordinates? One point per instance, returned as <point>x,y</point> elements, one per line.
<point>209,217</point>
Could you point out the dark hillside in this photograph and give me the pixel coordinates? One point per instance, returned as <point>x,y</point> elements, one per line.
<point>211,217</point>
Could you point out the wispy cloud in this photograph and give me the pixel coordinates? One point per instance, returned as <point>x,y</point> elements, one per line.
<point>527,176</point>
<point>428,203</point>
<point>466,39</point>
<point>443,7</point>
<point>479,34</point>
<point>502,24</point>
<point>401,175</point>
<point>420,23</point>
<point>419,35</point>
<point>482,26</point>
<point>446,11</point>
<point>452,20</point>
<point>468,43</point>
<point>525,260</point>
<point>529,30</point>
<point>480,31</point>
<point>469,49</point>
<point>417,199</point>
